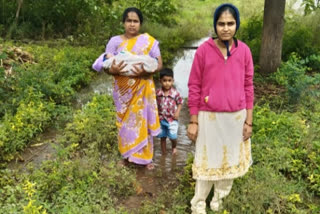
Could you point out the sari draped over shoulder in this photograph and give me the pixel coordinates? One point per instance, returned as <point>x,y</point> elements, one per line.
<point>135,101</point>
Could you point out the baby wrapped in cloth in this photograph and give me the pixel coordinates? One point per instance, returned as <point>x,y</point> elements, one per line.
<point>149,64</point>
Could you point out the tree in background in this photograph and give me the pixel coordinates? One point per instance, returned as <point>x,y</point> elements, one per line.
<point>84,19</point>
<point>271,44</point>
<point>310,5</point>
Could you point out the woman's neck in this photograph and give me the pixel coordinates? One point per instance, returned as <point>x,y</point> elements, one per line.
<point>129,36</point>
<point>220,43</point>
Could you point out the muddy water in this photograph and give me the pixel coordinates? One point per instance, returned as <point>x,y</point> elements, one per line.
<point>102,84</point>
<point>40,150</point>
<point>183,66</point>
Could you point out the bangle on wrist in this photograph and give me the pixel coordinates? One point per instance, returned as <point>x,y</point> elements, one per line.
<point>249,124</point>
<point>193,122</point>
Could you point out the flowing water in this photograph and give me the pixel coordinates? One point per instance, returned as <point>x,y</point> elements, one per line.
<point>183,66</point>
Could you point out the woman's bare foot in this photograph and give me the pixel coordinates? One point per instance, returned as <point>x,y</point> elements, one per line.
<point>150,166</point>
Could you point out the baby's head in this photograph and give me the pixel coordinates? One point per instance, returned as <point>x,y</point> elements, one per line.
<point>166,78</point>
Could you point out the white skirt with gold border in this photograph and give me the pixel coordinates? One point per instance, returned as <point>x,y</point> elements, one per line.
<point>220,151</point>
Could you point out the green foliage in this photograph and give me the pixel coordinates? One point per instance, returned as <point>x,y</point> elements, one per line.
<point>58,17</point>
<point>291,142</point>
<point>59,72</point>
<point>80,185</point>
<point>157,11</point>
<point>185,190</point>
<point>298,40</point>
<point>313,61</point>
<point>170,46</point>
<point>33,94</point>
<point>77,180</point>
<point>310,6</point>
<point>93,129</point>
<point>31,208</point>
<point>86,20</point>
<point>300,35</point>
<point>12,195</point>
<point>250,32</point>
<point>292,75</point>
<point>32,116</point>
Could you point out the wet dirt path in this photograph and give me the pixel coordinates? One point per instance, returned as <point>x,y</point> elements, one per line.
<point>164,175</point>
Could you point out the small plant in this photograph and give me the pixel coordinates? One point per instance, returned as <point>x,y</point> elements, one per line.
<point>31,208</point>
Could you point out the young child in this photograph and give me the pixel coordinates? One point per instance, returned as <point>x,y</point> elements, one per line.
<point>169,106</point>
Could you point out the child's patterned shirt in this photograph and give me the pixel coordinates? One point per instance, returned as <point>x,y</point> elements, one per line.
<point>167,105</point>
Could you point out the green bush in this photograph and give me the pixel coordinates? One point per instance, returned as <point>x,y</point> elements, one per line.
<point>291,142</point>
<point>293,75</point>
<point>313,61</point>
<point>59,72</point>
<point>32,117</point>
<point>93,129</point>
<point>300,35</point>
<point>32,95</point>
<point>298,41</point>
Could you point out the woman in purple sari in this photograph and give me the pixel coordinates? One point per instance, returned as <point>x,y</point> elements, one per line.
<point>134,96</point>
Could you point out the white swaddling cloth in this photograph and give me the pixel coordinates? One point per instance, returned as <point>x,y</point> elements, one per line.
<point>149,64</point>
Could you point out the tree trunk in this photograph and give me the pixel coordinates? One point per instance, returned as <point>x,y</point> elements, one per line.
<point>271,44</point>
<point>43,34</point>
<point>20,2</point>
<point>14,24</point>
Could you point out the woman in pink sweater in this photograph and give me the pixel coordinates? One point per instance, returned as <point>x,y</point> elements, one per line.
<point>220,104</point>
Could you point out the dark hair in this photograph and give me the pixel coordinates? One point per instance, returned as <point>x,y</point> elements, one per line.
<point>132,9</point>
<point>166,72</point>
<point>223,8</point>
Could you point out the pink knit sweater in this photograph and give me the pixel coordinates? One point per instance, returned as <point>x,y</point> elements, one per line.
<point>220,85</point>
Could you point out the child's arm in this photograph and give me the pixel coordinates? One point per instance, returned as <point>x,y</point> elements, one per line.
<point>177,113</point>
<point>179,102</point>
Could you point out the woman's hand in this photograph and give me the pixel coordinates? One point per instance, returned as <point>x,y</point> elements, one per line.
<point>247,132</point>
<point>139,70</point>
<point>192,131</point>
<point>117,69</point>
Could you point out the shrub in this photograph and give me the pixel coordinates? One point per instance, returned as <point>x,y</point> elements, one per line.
<point>292,75</point>
<point>93,129</point>
<point>32,117</point>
